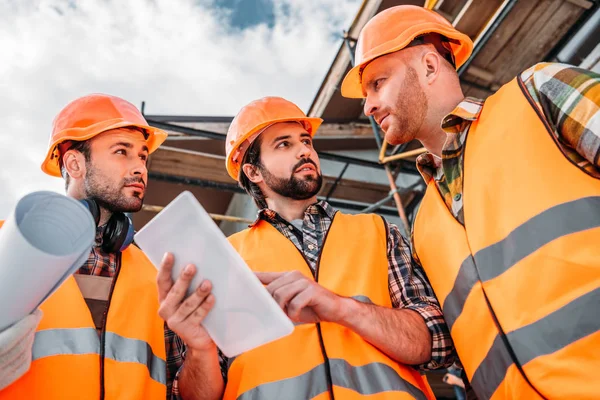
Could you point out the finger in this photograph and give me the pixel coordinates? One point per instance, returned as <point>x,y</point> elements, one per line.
<point>268,277</point>
<point>190,304</point>
<point>298,303</point>
<point>163,278</point>
<point>177,293</point>
<point>285,279</point>
<point>287,292</point>
<point>201,312</point>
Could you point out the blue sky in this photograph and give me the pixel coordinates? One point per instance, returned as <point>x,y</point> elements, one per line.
<point>195,57</point>
<point>244,14</point>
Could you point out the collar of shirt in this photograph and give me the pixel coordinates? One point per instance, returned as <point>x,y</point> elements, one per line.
<point>454,124</point>
<point>322,208</point>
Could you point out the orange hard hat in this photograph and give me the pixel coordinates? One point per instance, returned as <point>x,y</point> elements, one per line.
<point>253,119</point>
<point>394,29</point>
<point>88,116</point>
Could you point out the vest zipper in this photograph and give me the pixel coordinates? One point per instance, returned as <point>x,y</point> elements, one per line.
<point>104,321</point>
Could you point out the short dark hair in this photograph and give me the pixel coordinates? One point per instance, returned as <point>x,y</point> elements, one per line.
<point>441,43</point>
<point>252,157</point>
<point>83,147</point>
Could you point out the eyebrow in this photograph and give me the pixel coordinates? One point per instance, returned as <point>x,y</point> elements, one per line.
<point>371,82</point>
<point>385,71</point>
<point>129,146</point>
<point>277,139</point>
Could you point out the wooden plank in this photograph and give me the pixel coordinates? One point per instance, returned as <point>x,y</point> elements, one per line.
<point>477,16</point>
<point>209,167</point>
<point>505,32</point>
<point>189,164</point>
<point>582,3</point>
<point>525,37</point>
<point>481,74</point>
<point>545,30</point>
<point>338,131</point>
<point>451,8</point>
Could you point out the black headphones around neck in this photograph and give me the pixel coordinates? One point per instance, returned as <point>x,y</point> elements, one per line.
<point>118,232</point>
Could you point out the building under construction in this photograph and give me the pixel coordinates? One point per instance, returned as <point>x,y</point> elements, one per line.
<point>361,173</point>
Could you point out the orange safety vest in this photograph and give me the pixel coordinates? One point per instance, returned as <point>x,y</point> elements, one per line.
<point>69,361</point>
<point>519,282</point>
<point>319,359</point>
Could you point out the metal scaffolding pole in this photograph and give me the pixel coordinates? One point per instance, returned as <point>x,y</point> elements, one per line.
<point>201,133</point>
<point>337,180</point>
<point>216,217</point>
<point>350,205</point>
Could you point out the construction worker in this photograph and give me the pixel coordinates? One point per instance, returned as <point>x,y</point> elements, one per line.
<point>509,227</point>
<point>100,335</point>
<point>364,315</point>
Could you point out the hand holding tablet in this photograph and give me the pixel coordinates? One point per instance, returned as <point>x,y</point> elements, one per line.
<point>244,315</point>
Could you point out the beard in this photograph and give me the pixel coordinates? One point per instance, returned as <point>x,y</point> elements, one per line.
<point>110,195</point>
<point>292,187</point>
<point>410,110</point>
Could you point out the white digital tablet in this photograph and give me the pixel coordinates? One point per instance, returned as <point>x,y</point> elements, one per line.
<point>245,315</point>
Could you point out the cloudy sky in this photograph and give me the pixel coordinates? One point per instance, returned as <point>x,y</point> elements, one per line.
<point>186,57</point>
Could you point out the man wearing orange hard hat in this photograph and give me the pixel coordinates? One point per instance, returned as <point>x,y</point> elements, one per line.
<point>99,335</point>
<point>365,319</point>
<point>509,227</point>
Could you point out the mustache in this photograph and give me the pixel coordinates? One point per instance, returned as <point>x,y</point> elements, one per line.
<point>129,181</point>
<point>305,161</point>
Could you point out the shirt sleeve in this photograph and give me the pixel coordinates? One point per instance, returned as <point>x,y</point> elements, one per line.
<point>569,98</point>
<point>173,388</point>
<point>175,350</point>
<point>410,289</point>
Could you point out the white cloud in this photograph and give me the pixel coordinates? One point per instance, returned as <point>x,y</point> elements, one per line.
<point>180,56</point>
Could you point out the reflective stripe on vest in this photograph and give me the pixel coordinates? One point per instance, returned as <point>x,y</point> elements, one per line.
<point>492,261</point>
<point>526,344</point>
<point>324,360</point>
<point>77,341</point>
<point>366,380</point>
<point>518,280</point>
<point>561,220</point>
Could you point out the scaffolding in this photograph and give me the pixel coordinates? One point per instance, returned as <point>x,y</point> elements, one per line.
<point>402,166</point>
<point>393,161</point>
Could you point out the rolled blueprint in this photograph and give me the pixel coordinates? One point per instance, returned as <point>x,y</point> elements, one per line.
<point>45,240</point>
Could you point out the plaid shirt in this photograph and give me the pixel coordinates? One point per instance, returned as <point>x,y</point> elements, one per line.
<point>104,264</point>
<point>568,97</point>
<point>408,287</point>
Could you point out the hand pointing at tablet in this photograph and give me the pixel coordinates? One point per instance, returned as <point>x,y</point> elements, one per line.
<point>302,299</point>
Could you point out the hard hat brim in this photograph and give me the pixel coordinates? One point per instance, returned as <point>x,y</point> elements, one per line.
<point>51,166</point>
<point>233,168</point>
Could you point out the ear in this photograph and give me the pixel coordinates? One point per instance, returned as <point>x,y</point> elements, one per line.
<point>252,172</point>
<point>432,64</point>
<point>74,163</point>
